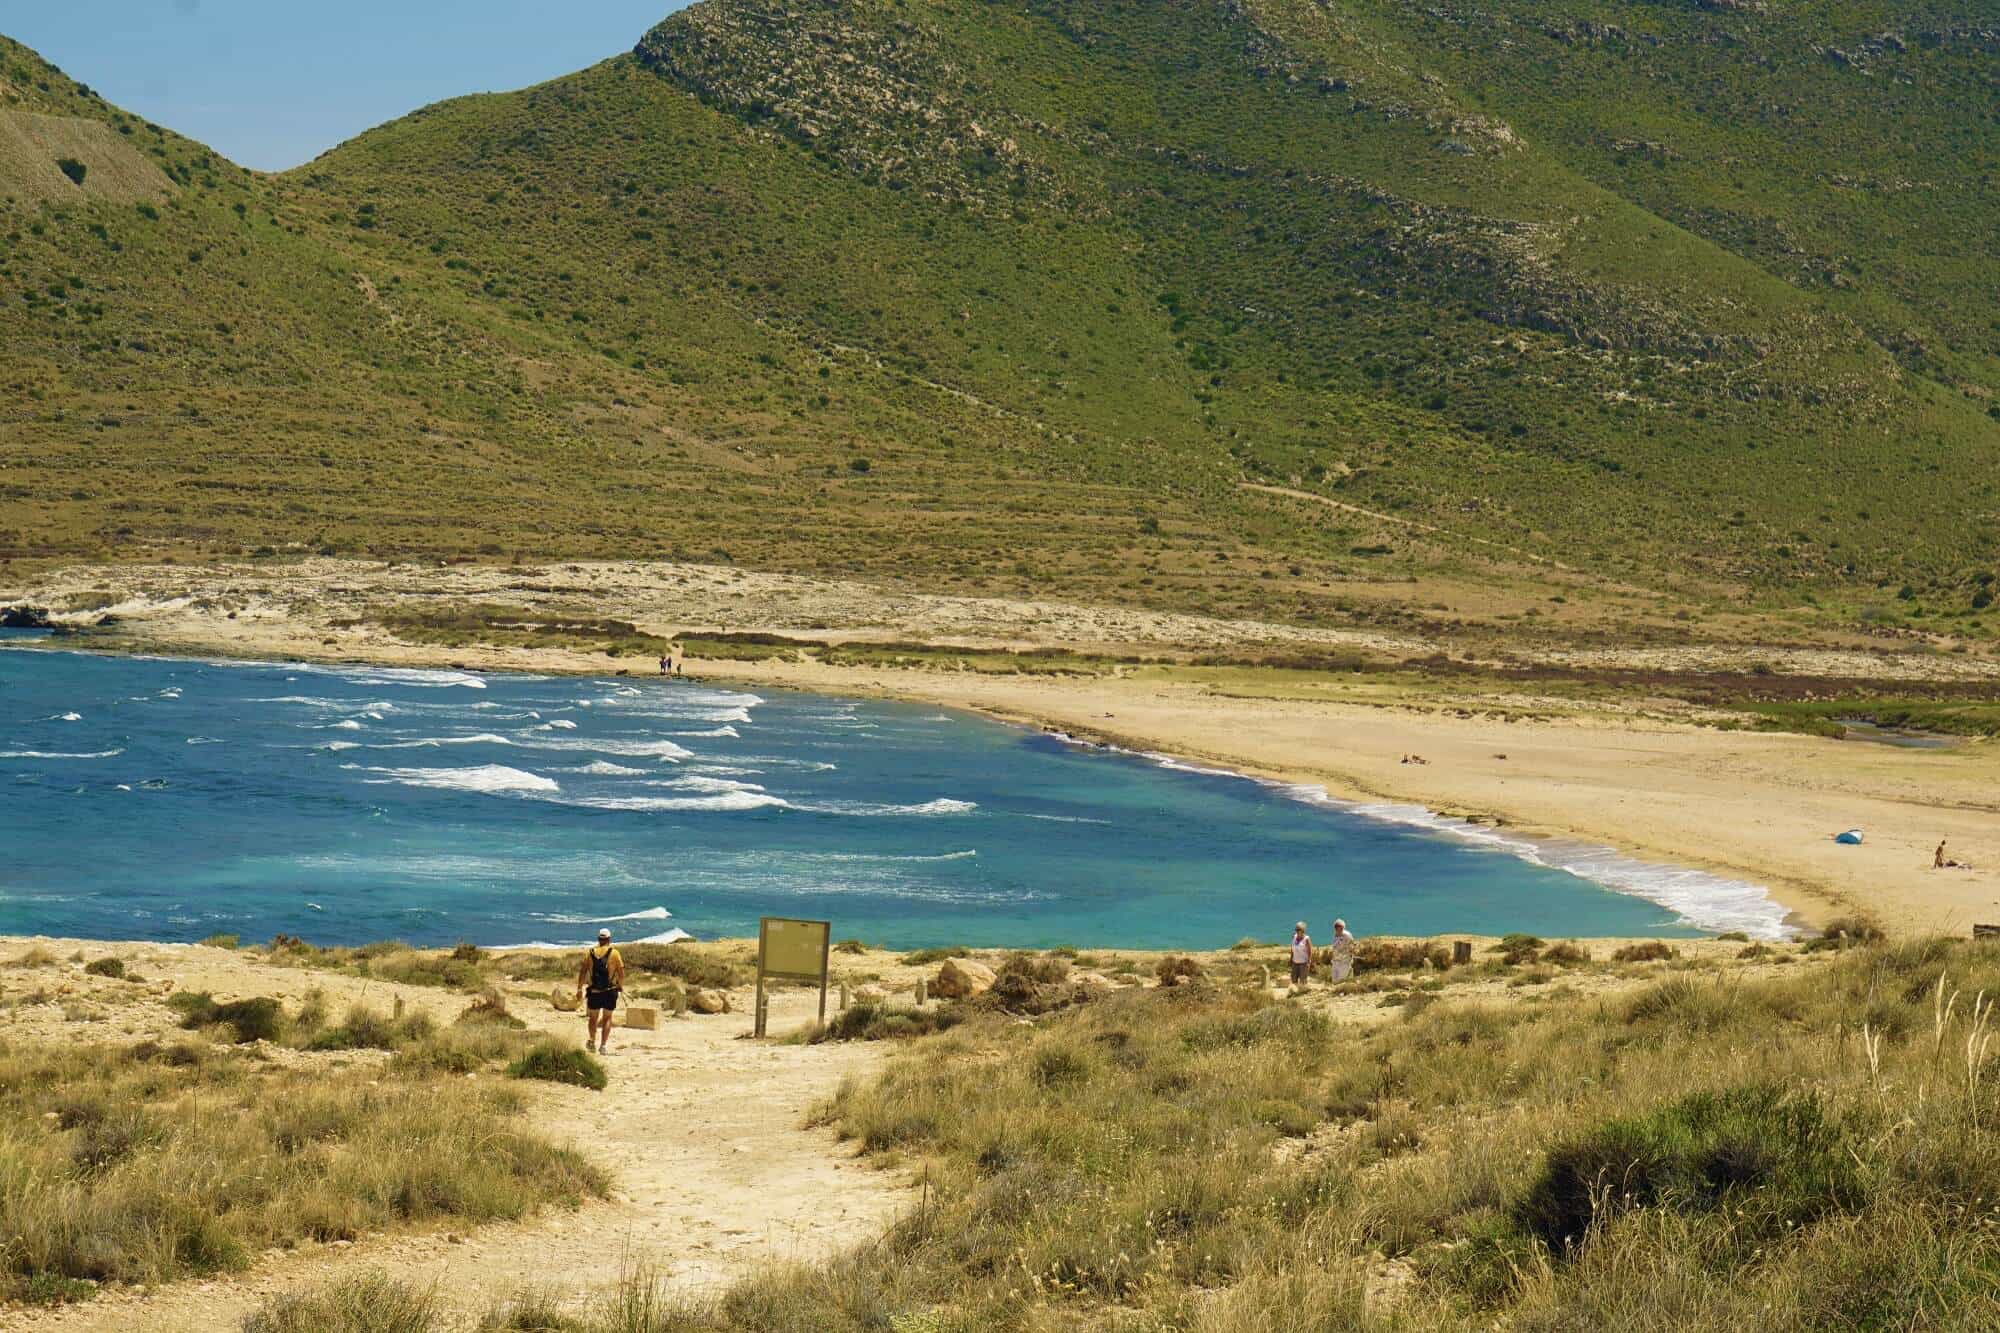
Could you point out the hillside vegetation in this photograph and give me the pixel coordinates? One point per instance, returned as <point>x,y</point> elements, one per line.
<point>1022,296</point>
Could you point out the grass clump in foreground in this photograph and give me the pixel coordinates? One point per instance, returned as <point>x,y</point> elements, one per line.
<point>553,1062</point>
<point>150,1164</point>
<point>1816,1151</point>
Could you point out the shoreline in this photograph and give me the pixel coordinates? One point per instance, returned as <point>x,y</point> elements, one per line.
<point>1593,779</point>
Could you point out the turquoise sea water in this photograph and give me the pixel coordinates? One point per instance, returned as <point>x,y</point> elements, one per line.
<point>171,799</point>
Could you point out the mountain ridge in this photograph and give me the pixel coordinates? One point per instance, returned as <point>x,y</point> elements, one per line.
<point>1042,294</point>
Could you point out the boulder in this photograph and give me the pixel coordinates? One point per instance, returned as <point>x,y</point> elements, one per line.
<point>1094,980</point>
<point>708,1001</point>
<point>870,995</point>
<point>962,978</point>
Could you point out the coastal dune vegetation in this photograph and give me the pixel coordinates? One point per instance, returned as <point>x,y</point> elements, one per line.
<point>1707,1145</point>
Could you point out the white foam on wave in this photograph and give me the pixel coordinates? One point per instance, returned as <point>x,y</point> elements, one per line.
<point>345,724</point>
<point>558,724</point>
<point>652,749</point>
<point>943,805</point>
<point>603,768</point>
<point>422,677</point>
<point>50,754</point>
<point>206,740</point>
<point>1701,899</point>
<point>674,936</point>
<point>649,914</point>
<point>431,742</point>
<point>66,717</point>
<point>728,800</point>
<point>337,746</point>
<point>488,778</point>
<point>720,733</point>
<point>702,782</point>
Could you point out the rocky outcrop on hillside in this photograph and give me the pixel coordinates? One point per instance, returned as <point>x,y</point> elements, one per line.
<point>857,84</point>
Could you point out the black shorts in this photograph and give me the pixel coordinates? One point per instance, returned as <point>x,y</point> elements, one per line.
<point>600,999</point>
<point>1299,971</point>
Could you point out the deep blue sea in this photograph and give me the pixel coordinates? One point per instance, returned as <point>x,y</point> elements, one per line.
<point>171,799</point>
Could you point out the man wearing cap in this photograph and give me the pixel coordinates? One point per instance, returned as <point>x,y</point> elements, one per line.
<point>599,978</point>
<point>1302,955</point>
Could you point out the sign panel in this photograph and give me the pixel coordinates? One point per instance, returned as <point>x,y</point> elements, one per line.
<point>795,950</point>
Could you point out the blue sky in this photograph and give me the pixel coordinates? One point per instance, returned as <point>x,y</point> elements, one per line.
<point>273,83</point>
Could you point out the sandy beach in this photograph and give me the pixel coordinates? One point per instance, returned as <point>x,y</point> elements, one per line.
<point>1760,807</point>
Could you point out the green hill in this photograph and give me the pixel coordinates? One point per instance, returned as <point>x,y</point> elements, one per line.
<point>1690,295</point>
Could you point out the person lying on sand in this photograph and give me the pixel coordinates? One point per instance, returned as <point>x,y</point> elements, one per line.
<point>1939,861</point>
<point>1340,954</point>
<point>1302,955</point>
<point>599,978</point>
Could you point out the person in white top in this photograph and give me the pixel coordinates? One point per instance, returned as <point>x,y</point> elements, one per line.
<point>1340,954</point>
<point>1302,955</point>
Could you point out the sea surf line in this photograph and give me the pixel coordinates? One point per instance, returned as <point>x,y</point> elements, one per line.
<point>350,804</point>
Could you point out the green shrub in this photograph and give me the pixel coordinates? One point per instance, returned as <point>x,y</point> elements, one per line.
<point>1771,1156</point>
<point>1566,954</point>
<point>553,1062</point>
<point>105,967</point>
<point>259,1018</point>
<point>364,1028</point>
<point>222,941</point>
<point>1176,970</point>
<point>925,957</point>
<point>1649,951</point>
<point>870,1022</point>
<point>1378,955</point>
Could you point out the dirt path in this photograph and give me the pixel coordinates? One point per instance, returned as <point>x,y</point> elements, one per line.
<point>714,1171</point>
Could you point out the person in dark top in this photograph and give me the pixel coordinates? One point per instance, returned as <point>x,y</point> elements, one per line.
<point>599,978</point>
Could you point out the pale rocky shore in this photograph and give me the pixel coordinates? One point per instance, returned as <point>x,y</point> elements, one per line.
<point>1649,778</point>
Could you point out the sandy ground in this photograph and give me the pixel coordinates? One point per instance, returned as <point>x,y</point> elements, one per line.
<point>704,1132</point>
<point>1761,807</point>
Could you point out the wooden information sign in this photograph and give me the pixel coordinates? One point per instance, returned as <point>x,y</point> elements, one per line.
<point>791,950</point>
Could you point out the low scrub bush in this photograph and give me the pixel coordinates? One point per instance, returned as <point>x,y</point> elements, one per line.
<point>1648,951</point>
<point>1377,955</point>
<point>371,1302</point>
<point>259,1018</point>
<point>552,1062</point>
<point>925,957</point>
<point>1176,970</point>
<point>364,1028</point>
<point>871,1022</point>
<point>1566,954</point>
<point>1772,1157</point>
<point>105,967</point>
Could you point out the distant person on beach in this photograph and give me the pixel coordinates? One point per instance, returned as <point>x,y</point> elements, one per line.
<point>1302,955</point>
<point>1340,954</point>
<point>1939,861</point>
<point>666,665</point>
<point>599,978</point>
<point>676,659</point>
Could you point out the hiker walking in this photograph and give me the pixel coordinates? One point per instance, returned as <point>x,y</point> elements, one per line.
<point>1302,955</point>
<point>599,978</point>
<point>1340,953</point>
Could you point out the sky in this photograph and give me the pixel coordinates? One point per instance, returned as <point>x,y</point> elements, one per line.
<point>273,83</point>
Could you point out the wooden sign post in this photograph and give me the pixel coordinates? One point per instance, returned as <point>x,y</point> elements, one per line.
<point>791,950</point>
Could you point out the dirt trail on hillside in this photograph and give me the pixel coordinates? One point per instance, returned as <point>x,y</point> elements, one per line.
<point>714,1172</point>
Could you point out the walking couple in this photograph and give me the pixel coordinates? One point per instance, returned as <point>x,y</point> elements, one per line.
<point>1339,954</point>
